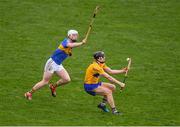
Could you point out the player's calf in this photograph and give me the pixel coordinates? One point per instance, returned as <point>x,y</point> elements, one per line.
<point>38,85</point>
<point>112,104</point>
<point>102,105</point>
<point>62,82</point>
<point>59,83</point>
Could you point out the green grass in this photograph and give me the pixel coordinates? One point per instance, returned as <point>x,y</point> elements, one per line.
<point>146,30</point>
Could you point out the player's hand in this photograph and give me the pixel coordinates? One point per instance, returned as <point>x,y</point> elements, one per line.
<point>122,85</point>
<point>125,69</point>
<point>84,41</point>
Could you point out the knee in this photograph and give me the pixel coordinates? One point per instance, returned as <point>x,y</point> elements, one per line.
<point>67,80</point>
<point>113,88</point>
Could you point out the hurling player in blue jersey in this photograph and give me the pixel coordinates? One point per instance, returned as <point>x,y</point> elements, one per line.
<point>54,64</point>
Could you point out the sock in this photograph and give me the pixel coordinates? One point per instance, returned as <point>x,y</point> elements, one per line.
<point>103,103</point>
<point>55,85</point>
<point>104,100</point>
<point>32,91</point>
<point>114,109</point>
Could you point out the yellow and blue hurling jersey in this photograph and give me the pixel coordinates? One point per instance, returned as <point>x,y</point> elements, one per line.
<point>93,72</point>
<point>62,52</point>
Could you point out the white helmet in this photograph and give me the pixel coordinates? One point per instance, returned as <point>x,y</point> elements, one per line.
<point>72,32</point>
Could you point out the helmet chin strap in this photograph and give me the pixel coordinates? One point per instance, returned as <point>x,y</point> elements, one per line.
<point>73,40</point>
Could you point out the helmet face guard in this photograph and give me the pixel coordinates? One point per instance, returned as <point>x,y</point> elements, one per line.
<point>74,40</point>
<point>98,55</point>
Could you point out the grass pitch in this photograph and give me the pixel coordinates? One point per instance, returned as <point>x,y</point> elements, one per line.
<point>146,30</point>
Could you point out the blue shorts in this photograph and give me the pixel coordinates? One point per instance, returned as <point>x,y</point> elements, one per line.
<point>90,87</point>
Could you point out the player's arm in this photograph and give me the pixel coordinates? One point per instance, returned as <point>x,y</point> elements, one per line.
<point>113,80</point>
<point>111,71</point>
<point>76,44</point>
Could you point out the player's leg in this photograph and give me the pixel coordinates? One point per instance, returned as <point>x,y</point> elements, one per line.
<point>107,94</point>
<point>65,78</point>
<point>110,86</point>
<point>48,72</point>
<point>45,80</point>
<point>103,92</point>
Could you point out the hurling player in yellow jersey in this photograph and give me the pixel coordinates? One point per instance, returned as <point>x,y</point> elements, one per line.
<point>93,86</point>
<point>54,64</point>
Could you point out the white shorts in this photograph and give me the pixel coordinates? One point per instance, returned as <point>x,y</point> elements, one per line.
<point>52,67</point>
